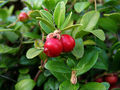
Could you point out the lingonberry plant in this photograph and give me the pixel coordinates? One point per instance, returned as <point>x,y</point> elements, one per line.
<point>60,45</point>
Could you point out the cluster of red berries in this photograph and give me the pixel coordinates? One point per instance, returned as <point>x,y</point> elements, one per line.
<point>111,79</point>
<point>56,43</point>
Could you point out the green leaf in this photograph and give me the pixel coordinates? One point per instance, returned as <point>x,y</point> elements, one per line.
<point>80,6</point>
<point>59,14</point>
<point>7,49</point>
<point>66,85</point>
<point>89,42</point>
<point>57,66</point>
<point>23,76</point>
<point>78,50</point>
<point>46,22</point>
<point>34,14</point>
<point>99,33</point>
<point>28,5</point>
<point>71,27</point>
<point>70,62</point>
<point>87,62</point>
<point>45,28</point>
<point>93,86</point>
<point>108,24</point>
<point>67,20</point>
<point>31,35</point>
<point>106,84</point>
<point>46,15</point>
<point>26,84</point>
<point>5,30</point>
<point>33,52</point>
<point>49,4</point>
<point>89,20</point>
<point>24,71</point>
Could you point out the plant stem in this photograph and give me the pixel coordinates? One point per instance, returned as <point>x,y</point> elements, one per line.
<point>7,78</point>
<point>95,5</point>
<point>37,75</point>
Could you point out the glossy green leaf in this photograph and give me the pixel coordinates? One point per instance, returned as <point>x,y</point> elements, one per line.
<point>23,76</point>
<point>67,20</point>
<point>45,28</point>
<point>108,24</point>
<point>106,84</point>
<point>57,66</point>
<point>78,50</point>
<point>7,49</point>
<point>89,42</point>
<point>34,14</point>
<point>99,34</point>
<point>49,4</point>
<point>31,35</point>
<point>80,6</point>
<point>48,16</point>
<point>26,84</point>
<point>87,62</point>
<point>59,14</point>
<point>46,22</point>
<point>93,86</point>
<point>28,5</point>
<point>71,27</point>
<point>70,62</point>
<point>89,20</point>
<point>66,85</point>
<point>33,52</point>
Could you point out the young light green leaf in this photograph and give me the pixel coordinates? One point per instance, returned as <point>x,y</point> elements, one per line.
<point>34,14</point>
<point>80,6</point>
<point>93,86</point>
<point>28,5</point>
<point>67,20</point>
<point>87,62</point>
<point>45,28</point>
<point>57,66</point>
<point>31,35</point>
<point>99,33</point>
<point>7,49</point>
<point>5,30</point>
<point>26,84</point>
<point>89,20</point>
<point>89,42</point>
<point>71,27</point>
<point>46,22</point>
<point>78,50</point>
<point>33,52</point>
<point>66,85</point>
<point>46,15</point>
<point>59,14</point>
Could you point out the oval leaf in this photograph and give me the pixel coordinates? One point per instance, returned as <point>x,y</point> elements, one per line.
<point>33,52</point>
<point>59,14</point>
<point>26,84</point>
<point>87,62</point>
<point>81,6</point>
<point>66,85</point>
<point>93,86</point>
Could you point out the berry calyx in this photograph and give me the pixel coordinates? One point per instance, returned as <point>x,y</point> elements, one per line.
<point>53,47</point>
<point>112,79</point>
<point>23,16</point>
<point>68,42</point>
<point>99,80</point>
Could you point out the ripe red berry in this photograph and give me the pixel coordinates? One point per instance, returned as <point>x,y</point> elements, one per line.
<point>112,79</point>
<point>23,16</point>
<point>45,9</point>
<point>53,47</point>
<point>112,87</point>
<point>99,80</point>
<point>68,42</point>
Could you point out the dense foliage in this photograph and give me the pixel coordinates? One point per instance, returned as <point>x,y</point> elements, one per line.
<point>60,45</point>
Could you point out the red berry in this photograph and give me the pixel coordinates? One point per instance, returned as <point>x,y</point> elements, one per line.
<point>68,42</point>
<point>114,86</point>
<point>23,16</point>
<point>45,9</point>
<point>112,79</point>
<point>53,47</point>
<point>99,80</point>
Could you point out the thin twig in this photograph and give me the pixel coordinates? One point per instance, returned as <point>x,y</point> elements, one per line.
<point>7,78</point>
<point>95,5</point>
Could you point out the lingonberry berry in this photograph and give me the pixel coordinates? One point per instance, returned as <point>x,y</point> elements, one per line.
<point>99,80</point>
<point>53,47</point>
<point>112,79</point>
<point>68,42</point>
<point>45,9</point>
<point>23,16</point>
